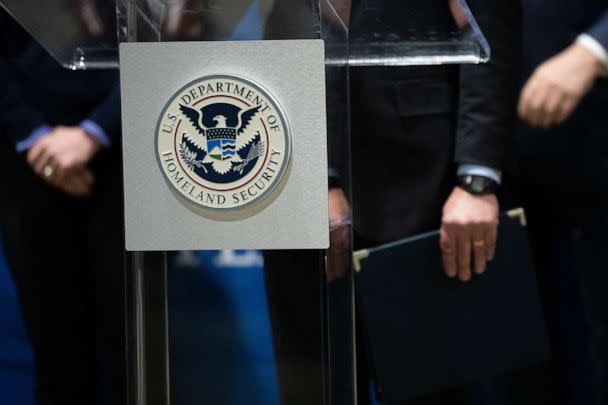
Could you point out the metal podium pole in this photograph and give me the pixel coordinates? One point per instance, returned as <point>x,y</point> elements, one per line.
<point>147,329</point>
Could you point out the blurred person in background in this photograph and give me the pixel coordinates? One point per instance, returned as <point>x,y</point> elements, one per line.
<point>562,150</point>
<point>61,209</point>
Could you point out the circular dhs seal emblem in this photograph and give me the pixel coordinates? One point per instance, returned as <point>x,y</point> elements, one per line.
<point>223,143</point>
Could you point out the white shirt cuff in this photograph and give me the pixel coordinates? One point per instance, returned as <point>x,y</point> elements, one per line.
<point>33,137</point>
<point>479,170</point>
<point>94,130</point>
<point>596,48</point>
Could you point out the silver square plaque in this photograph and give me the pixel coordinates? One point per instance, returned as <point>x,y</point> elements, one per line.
<point>224,145</point>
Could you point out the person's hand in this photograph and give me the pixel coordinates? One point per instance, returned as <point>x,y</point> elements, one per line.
<point>60,158</point>
<point>557,86</point>
<point>63,151</point>
<point>339,225</point>
<point>78,183</point>
<point>468,229</point>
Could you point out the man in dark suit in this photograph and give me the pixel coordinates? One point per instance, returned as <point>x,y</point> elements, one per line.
<point>562,152</point>
<point>61,215</point>
<point>429,144</point>
<point>467,110</point>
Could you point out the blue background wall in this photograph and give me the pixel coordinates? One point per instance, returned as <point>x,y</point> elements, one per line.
<point>16,364</point>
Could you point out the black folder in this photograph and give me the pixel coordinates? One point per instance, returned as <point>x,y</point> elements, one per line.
<point>426,332</point>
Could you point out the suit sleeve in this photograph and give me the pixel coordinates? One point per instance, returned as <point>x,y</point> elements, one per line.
<point>17,118</point>
<point>488,92</point>
<point>107,114</point>
<point>599,30</point>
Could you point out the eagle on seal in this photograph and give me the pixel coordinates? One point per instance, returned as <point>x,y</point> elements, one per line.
<point>220,141</point>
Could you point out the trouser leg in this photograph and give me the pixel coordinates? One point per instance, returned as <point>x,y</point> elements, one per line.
<point>45,251</point>
<point>106,260</point>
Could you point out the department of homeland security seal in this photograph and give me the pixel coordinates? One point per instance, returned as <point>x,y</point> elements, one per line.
<point>223,143</point>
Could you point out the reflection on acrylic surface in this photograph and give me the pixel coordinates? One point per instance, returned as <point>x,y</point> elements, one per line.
<point>220,340</point>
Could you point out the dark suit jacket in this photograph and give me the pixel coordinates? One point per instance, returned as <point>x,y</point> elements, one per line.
<point>35,90</point>
<point>412,126</point>
<point>568,162</point>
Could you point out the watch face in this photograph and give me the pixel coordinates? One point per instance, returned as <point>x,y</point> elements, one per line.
<point>478,184</point>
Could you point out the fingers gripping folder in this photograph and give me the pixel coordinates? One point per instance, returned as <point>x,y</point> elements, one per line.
<point>427,332</point>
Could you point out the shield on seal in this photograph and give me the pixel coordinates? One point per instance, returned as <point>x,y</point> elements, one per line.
<point>221,143</point>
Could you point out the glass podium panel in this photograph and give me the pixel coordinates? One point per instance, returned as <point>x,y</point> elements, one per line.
<point>81,34</point>
<point>408,33</point>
